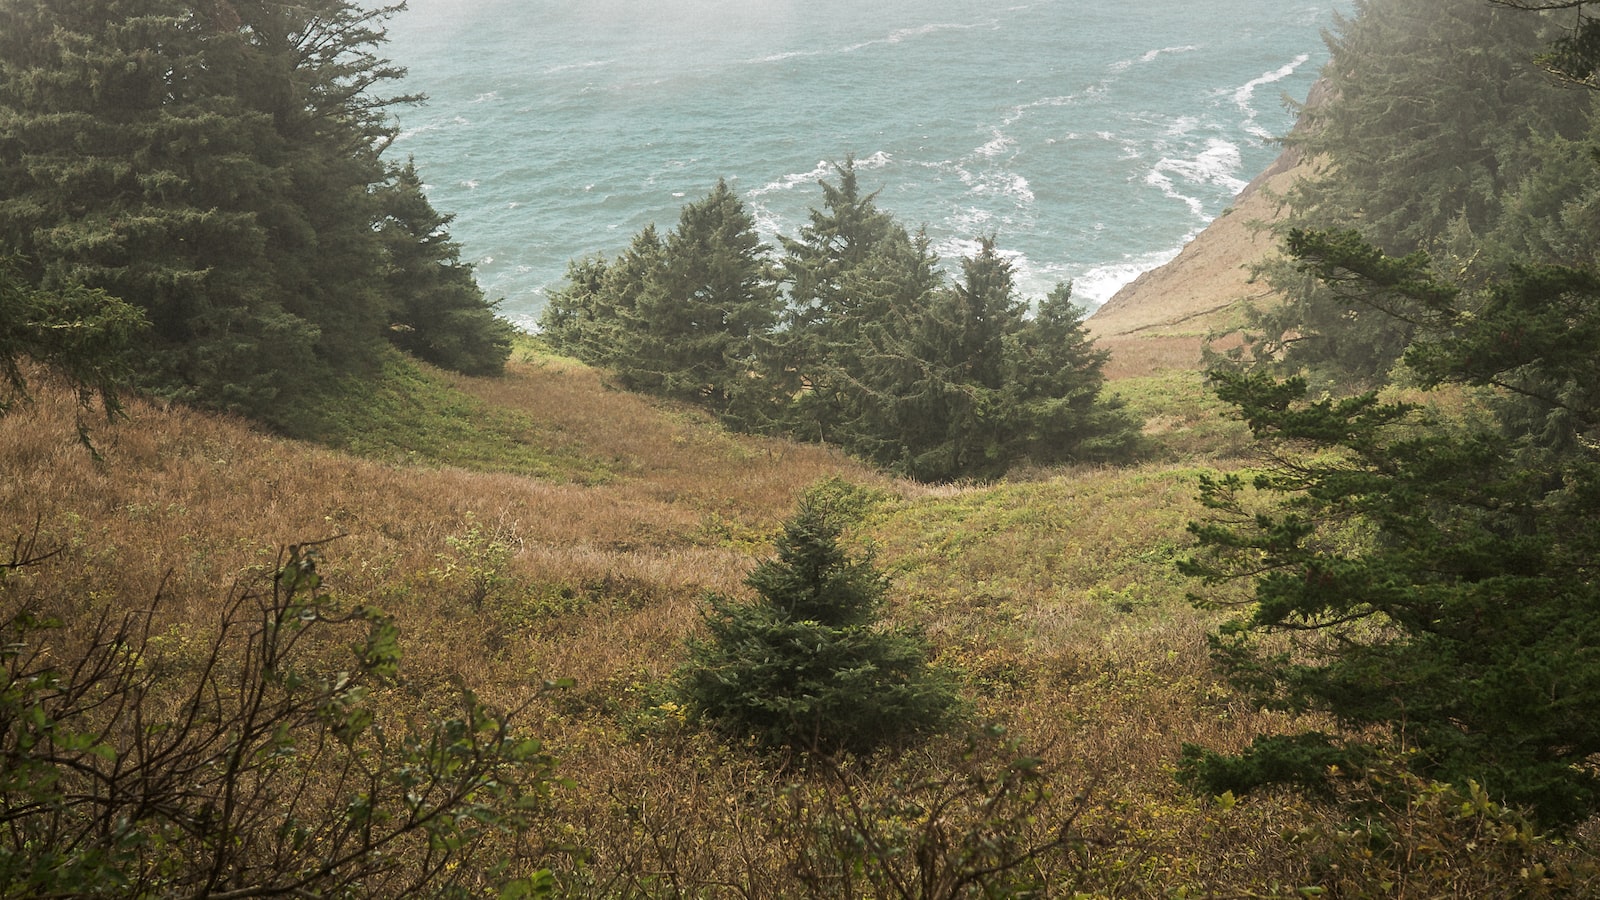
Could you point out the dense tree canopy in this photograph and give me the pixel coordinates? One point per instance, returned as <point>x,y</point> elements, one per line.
<point>1434,579</point>
<point>855,337</point>
<point>1441,135</point>
<point>1424,575</point>
<point>219,167</point>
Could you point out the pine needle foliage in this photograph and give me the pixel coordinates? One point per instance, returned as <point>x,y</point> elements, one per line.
<point>1434,581</point>
<point>854,337</point>
<point>808,666</point>
<point>218,167</point>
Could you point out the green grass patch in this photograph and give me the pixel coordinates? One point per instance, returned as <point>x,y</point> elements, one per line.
<point>1112,530</point>
<point>1183,418</point>
<point>410,413</point>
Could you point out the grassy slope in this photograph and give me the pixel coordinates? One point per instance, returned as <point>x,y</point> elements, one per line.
<point>542,526</point>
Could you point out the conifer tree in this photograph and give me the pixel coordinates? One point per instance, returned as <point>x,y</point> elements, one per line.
<point>938,381</point>
<point>592,317</point>
<point>437,311</point>
<point>853,271</point>
<point>874,352</point>
<point>216,165</point>
<point>1439,136</point>
<point>84,334</point>
<point>576,317</point>
<point>1434,581</point>
<point>694,323</point>
<point>967,384</point>
<point>807,666</point>
<point>1056,411</point>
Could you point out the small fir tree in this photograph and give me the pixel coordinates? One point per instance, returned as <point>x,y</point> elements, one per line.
<point>807,666</point>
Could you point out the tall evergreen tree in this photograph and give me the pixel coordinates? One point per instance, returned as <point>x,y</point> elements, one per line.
<point>217,165</point>
<point>1437,582</point>
<point>437,311</point>
<point>874,351</point>
<point>1440,136</point>
<point>938,383</point>
<point>695,322</point>
<point>853,270</point>
<point>576,315</point>
<point>1055,410</point>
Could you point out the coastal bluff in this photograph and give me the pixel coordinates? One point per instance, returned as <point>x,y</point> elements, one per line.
<point>1160,320</point>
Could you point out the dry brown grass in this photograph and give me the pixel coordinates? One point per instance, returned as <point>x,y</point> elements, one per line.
<point>1054,599</point>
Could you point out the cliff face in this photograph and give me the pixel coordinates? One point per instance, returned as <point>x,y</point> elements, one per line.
<point>1160,320</point>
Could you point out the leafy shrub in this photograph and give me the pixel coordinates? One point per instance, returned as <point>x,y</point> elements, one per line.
<point>146,764</point>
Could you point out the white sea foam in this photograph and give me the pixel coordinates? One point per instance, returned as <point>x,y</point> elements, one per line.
<point>1151,56</point>
<point>1182,125</point>
<point>952,250</point>
<point>597,122</point>
<point>1095,286</point>
<point>1218,164</point>
<point>781,57</point>
<point>1246,92</point>
<point>998,145</point>
<point>1001,184</point>
<point>409,133</point>
<point>1018,112</point>
<point>822,170</point>
<point>1244,95</point>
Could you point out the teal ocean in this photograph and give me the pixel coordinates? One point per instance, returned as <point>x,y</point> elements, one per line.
<point>1092,138</point>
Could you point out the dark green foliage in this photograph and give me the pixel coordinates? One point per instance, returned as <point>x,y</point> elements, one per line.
<point>962,383</point>
<point>1575,54</point>
<point>874,350</point>
<point>130,768</point>
<point>217,166</point>
<point>437,310</point>
<point>1053,386</point>
<point>937,380</point>
<point>1301,760</point>
<point>806,666</point>
<point>681,317</point>
<point>856,278</point>
<point>694,324</point>
<point>1434,580</point>
<point>592,318</point>
<point>83,333</point>
<point>577,319</point>
<point>968,384</point>
<point>1440,136</point>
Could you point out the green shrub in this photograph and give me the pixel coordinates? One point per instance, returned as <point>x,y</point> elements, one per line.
<point>807,666</point>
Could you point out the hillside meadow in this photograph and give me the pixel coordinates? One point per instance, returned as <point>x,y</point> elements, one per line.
<point>547,542</point>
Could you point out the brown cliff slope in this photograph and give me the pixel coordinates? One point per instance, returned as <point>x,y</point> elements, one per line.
<point>1160,320</point>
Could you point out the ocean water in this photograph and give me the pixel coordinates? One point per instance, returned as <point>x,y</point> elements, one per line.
<point>1092,138</point>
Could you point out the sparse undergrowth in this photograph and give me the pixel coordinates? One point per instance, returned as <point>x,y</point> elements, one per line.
<point>1053,600</point>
